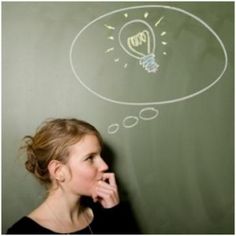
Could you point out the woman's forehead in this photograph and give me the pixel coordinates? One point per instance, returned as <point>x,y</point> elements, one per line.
<point>88,143</point>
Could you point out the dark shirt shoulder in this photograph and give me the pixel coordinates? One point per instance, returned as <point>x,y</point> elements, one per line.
<point>26,226</point>
<point>115,220</point>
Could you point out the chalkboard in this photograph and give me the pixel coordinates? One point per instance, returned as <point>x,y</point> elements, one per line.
<point>156,79</point>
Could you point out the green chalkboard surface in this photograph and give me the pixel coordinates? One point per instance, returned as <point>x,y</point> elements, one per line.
<point>156,79</point>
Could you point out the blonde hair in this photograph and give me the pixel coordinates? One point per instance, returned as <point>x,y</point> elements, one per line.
<point>51,142</point>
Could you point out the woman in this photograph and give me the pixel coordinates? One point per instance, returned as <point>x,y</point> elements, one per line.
<point>65,155</point>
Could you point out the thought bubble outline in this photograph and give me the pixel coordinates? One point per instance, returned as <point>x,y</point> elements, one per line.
<point>113,128</point>
<point>158,102</point>
<point>155,115</point>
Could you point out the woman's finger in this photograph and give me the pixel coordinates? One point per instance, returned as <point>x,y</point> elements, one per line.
<point>106,199</point>
<point>106,185</point>
<point>110,178</point>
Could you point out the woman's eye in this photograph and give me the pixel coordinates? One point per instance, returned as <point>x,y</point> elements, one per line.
<point>90,158</point>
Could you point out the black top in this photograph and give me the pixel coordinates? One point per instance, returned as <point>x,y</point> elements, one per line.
<point>106,221</point>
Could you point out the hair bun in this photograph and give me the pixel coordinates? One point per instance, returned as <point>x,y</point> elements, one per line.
<point>31,161</point>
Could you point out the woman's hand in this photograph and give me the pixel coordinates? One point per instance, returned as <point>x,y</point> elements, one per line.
<point>106,191</point>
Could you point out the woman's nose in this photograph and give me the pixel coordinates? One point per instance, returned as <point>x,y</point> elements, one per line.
<point>102,165</point>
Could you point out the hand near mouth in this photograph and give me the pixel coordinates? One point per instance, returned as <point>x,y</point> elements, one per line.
<point>106,191</point>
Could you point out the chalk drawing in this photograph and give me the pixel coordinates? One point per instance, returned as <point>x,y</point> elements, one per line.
<point>130,121</point>
<point>144,114</point>
<point>159,21</point>
<point>109,27</point>
<point>155,102</point>
<point>146,14</point>
<point>113,128</point>
<point>133,45</point>
<point>109,50</point>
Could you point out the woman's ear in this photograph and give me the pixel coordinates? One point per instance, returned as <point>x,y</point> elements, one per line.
<point>55,169</point>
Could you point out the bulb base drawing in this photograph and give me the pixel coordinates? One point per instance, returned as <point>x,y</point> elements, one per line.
<point>148,62</point>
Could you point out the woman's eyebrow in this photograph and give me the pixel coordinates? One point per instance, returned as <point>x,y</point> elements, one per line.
<point>92,153</point>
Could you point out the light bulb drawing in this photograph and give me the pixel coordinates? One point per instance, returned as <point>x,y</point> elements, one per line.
<point>137,39</point>
<point>140,45</point>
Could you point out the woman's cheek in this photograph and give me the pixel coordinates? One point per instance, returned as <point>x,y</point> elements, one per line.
<point>90,182</point>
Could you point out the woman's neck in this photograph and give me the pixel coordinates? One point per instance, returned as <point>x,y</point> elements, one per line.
<point>66,206</point>
<point>62,213</point>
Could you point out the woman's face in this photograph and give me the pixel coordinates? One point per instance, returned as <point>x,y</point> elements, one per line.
<point>85,165</point>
